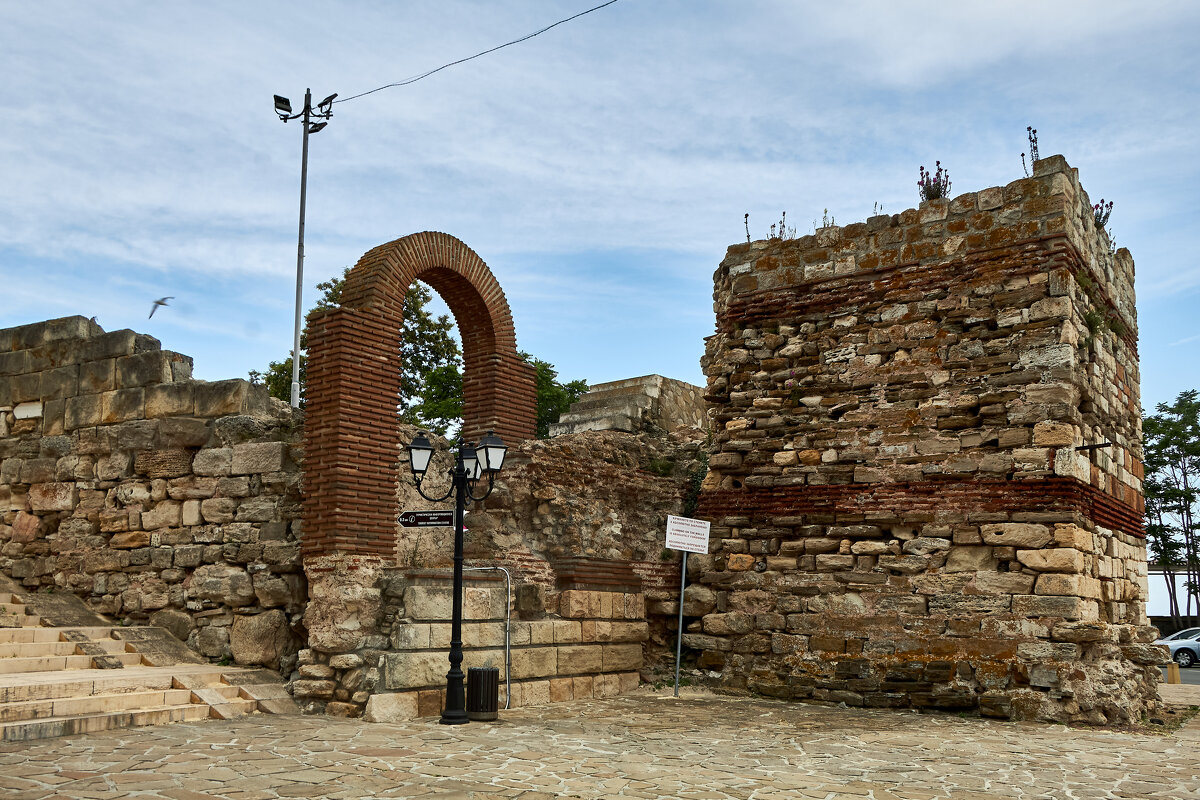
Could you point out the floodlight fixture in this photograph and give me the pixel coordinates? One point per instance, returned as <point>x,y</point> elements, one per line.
<point>283,107</point>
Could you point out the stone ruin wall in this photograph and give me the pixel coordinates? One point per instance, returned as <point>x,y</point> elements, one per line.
<point>154,497</point>
<point>577,521</point>
<point>901,514</point>
<point>165,500</point>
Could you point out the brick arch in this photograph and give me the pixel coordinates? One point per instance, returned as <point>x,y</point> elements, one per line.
<point>351,441</point>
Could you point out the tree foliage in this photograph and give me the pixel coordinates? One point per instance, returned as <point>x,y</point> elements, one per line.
<point>431,377</point>
<point>427,347</point>
<point>1171,443</point>
<point>553,396</point>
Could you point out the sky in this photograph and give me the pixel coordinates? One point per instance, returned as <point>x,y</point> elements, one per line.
<point>601,169</point>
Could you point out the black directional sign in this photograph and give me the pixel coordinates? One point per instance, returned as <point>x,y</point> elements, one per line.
<point>427,519</point>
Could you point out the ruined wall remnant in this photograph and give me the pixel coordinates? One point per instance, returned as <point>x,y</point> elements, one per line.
<point>903,514</point>
<point>153,496</point>
<point>577,521</point>
<point>650,402</point>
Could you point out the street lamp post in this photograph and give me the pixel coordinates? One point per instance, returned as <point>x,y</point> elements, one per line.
<point>324,110</point>
<point>471,462</point>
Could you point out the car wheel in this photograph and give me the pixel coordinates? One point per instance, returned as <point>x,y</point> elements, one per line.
<point>1185,658</point>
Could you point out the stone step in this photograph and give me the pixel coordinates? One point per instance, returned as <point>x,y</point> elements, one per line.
<point>589,404</point>
<point>17,687</point>
<point>643,382</point>
<point>19,621</point>
<point>9,666</point>
<point>65,726</point>
<point>605,422</point>
<point>59,648</point>
<point>93,704</point>
<point>16,635</point>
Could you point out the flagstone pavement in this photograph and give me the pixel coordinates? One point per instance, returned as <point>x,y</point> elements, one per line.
<point>640,746</point>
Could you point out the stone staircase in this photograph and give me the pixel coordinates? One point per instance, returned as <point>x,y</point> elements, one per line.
<point>62,679</point>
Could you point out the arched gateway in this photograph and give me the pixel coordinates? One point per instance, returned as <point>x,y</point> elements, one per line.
<point>351,442</point>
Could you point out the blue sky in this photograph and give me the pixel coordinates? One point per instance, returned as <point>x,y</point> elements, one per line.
<point>600,169</point>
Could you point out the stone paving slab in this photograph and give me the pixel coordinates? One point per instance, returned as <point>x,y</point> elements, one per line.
<point>698,747</point>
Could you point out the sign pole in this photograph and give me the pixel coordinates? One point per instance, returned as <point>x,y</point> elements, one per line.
<point>679,627</point>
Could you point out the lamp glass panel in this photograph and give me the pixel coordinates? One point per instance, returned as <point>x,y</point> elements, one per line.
<point>419,453</point>
<point>493,452</point>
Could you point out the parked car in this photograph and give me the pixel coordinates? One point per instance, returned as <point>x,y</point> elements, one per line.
<point>1184,646</point>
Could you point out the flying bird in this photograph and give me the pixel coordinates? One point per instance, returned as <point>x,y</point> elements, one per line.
<point>162,301</point>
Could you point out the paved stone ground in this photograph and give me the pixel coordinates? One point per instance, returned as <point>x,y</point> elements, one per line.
<point>642,746</point>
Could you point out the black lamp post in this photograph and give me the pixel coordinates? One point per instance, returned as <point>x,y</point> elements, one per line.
<point>324,110</point>
<point>470,463</point>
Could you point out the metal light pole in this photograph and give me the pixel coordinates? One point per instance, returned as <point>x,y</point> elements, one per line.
<point>283,107</point>
<point>469,464</point>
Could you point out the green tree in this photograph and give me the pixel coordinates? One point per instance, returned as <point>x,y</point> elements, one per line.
<point>1171,445</point>
<point>431,381</point>
<point>427,346</point>
<point>553,396</point>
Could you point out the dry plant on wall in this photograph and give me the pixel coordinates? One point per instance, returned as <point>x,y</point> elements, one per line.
<point>933,185</point>
<point>1100,214</point>
<point>783,231</point>
<point>1033,149</point>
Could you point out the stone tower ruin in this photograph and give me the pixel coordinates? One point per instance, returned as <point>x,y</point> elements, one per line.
<point>925,487</point>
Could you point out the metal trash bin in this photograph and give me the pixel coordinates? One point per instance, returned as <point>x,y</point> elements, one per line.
<point>483,693</point>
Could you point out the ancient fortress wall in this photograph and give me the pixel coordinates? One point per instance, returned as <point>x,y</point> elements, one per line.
<point>153,496</point>
<point>906,507</point>
<point>162,499</point>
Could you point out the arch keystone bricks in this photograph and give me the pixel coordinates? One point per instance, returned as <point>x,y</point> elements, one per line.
<point>351,442</point>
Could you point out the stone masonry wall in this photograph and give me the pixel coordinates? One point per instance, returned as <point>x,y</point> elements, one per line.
<point>571,645</point>
<point>153,496</point>
<point>379,632</point>
<point>906,508</point>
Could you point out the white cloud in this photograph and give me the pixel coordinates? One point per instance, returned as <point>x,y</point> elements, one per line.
<point>140,145</point>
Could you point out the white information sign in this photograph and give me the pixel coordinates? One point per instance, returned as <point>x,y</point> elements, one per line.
<point>687,534</point>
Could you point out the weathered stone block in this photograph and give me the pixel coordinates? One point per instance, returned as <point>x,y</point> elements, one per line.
<point>573,660</point>
<point>535,662</point>
<point>165,514</point>
<point>163,463</point>
<point>82,411</point>
<point>1016,534</point>
<point>1054,559</point>
<point>622,657</point>
<point>52,496</point>
<point>170,400</point>
<point>217,510</point>
<point>256,457</point>
<point>96,377</point>
<point>1069,585</point>
<point>216,461</point>
<point>432,603</point>
<point>1053,434</point>
<point>484,603</point>
<point>968,558</point>
<point>567,631</point>
<point>1000,583</point>
<point>391,707</point>
<point>143,369</point>
<point>222,583</point>
<point>122,405</point>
